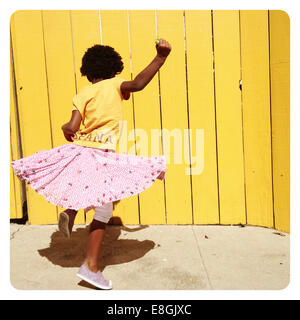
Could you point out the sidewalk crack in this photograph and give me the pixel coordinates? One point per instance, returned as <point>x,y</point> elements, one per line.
<point>12,236</point>
<point>201,257</point>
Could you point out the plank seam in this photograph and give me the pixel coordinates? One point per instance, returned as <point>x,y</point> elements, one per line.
<point>12,179</point>
<point>161,121</point>
<point>46,73</point>
<point>133,111</point>
<point>242,115</point>
<point>20,149</point>
<point>74,62</point>
<point>188,113</point>
<point>100,27</point>
<point>215,107</point>
<point>271,127</point>
<point>18,126</point>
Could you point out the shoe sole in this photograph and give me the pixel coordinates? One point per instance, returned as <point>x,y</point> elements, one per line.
<point>63,224</point>
<point>94,283</point>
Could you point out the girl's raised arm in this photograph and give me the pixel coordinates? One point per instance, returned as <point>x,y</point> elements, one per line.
<point>163,49</point>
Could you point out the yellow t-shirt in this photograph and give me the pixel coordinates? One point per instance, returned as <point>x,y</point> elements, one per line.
<point>100,106</point>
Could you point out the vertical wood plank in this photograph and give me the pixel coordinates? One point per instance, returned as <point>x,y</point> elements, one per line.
<point>115,33</point>
<point>60,69</point>
<point>280,110</point>
<point>86,33</point>
<point>256,116</point>
<point>15,184</point>
<point>202,114</point>
<point>229,117</point>
<point>60,74</point>
<point>170,26</point>
<point>29,60</point>
<point>147,110</point>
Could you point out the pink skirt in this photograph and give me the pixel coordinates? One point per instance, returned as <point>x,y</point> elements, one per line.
<point>76,177</point>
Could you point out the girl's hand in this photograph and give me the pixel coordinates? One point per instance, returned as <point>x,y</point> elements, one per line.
<point>163,48</point>
<point>68,133</point>
<point>70,128</point>
<point>126,95</point>
<point>144,77</point>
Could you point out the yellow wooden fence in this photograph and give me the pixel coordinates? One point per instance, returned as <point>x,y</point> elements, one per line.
<point>228,74</point>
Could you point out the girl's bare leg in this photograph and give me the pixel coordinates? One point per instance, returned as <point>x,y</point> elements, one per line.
<point>97,231</point>
<point>66,221</point>
<point>72,215</point>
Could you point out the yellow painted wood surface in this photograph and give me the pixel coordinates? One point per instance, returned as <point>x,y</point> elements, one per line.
<point>256,117</point>
<point>229,117</point>
<point>170,25</point>
<point>60,69</point>
<point>32,94</point>
<point>86,33</point>
<point>13,208</point>
<point>15,183</point>
<point>147,111</point>
<point>202,115</point>
<point>60,75</point>
<point>244,134</point>
<point>280,109</point>
<point>114,25</point>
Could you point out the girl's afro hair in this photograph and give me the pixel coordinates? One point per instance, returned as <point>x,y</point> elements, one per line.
<point>101,62</point>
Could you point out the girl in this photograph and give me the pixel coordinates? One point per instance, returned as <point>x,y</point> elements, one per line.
<point>88,173</point>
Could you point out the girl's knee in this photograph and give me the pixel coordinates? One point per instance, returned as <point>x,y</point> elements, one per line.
<point>104,212</point>
<point>96,225</point>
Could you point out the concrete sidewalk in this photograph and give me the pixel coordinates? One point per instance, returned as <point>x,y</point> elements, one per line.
<point>153,258</point>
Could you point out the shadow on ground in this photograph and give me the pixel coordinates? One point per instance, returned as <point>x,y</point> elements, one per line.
<point>69,253</point>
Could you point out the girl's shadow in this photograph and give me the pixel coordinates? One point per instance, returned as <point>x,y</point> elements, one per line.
<point>71,252</point>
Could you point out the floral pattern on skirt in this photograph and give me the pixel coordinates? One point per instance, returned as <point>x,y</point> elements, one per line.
<point>77,177</point>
